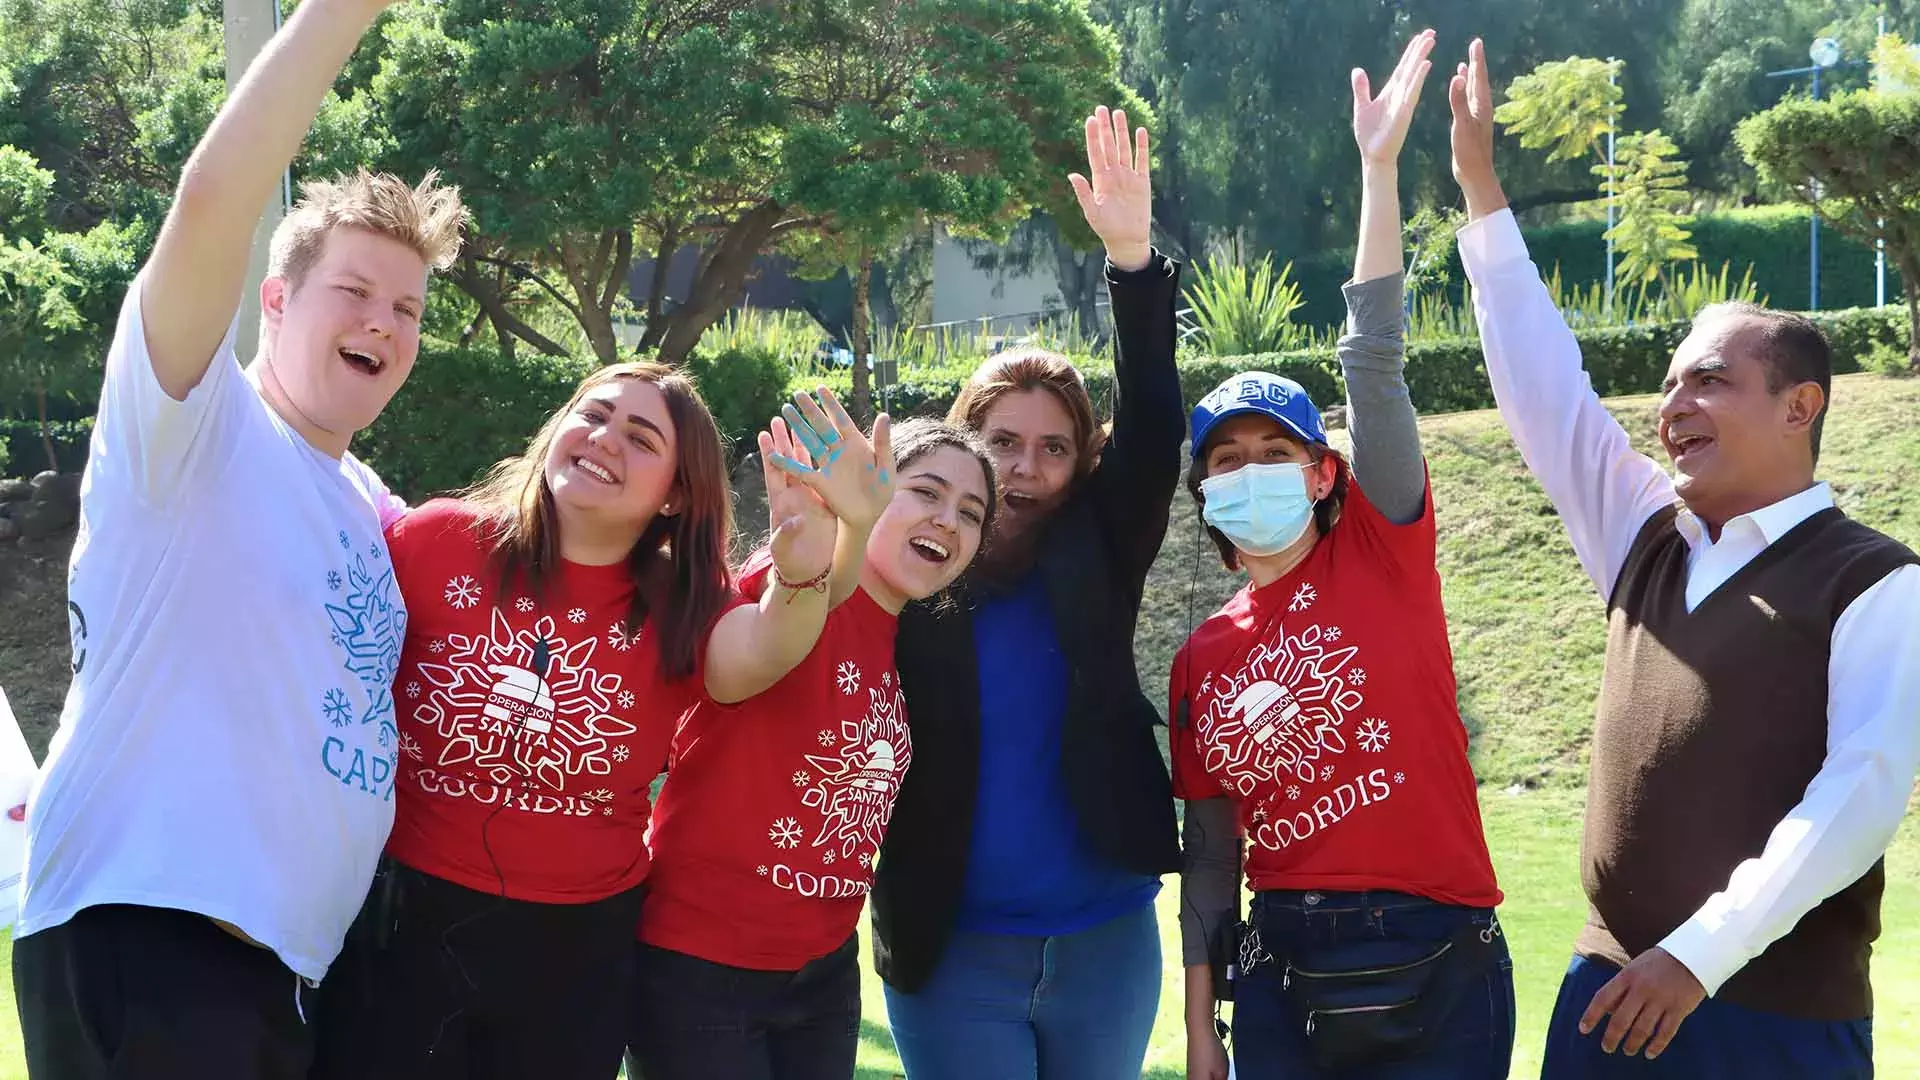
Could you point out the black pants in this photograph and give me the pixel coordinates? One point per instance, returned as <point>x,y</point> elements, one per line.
<point>135,993</point>
<point>439,981</point>
<point>697,1020</point>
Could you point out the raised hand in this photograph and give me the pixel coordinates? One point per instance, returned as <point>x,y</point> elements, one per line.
<point>1470,93</point>
<point>850,473</point>
<point>1380,123</point>
<point>1118,199</point>
<point>804,529</point>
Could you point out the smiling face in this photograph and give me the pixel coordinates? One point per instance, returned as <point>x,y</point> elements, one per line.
<point>1736,443</point>
<point>931,530</point>
<point>1032,439</point>
<point>612,458</point>
<point>342,341</point>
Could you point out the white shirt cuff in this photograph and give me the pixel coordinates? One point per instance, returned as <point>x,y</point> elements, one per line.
<point>1491,240</point>
<point>1711,953</point>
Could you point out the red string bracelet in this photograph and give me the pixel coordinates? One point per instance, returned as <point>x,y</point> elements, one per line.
<point>817,583</point>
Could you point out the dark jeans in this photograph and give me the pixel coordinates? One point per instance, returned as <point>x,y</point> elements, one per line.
<point>464,985</point>
<point>1350,930</point>
<point>1718,1041</point>
<point>697,1020</point>
<point>137,992</point>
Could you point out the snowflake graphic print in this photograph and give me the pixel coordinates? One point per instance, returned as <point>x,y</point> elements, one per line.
<point>523,711</point>
<point>368,625</point>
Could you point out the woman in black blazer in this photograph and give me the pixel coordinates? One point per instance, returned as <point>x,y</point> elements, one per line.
<point>1013,906</point>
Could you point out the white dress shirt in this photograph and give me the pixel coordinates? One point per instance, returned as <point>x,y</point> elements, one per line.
<point>1604,491</point>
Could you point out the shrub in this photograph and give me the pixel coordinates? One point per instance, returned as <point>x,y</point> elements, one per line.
<point>744,385</point>
<point>461,411</point>
<point>1245,309</point>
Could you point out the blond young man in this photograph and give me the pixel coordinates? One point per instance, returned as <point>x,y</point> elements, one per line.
<point>211,809</point>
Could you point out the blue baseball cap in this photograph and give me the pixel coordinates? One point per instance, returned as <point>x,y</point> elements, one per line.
<point>1280,399</point>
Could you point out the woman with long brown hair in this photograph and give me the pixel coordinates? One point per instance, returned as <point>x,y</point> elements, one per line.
<point>557,610</point>
<point>1013,907</point>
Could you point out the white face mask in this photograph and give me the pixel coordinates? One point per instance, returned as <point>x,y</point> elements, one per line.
<point>1263,509</point>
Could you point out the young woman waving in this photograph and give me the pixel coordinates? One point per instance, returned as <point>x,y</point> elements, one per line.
<point>1315,716</point>
<point>781,787</point>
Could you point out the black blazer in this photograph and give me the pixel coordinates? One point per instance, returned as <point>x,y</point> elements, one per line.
<point>1094,558</point>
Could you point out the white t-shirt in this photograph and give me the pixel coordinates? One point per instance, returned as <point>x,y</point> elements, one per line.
<point>227,745</point>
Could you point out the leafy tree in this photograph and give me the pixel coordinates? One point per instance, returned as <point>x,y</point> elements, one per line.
<point>587,133</point>
<point>1651,192</point>
<point>1565,107</point>
<point>1855,157</point>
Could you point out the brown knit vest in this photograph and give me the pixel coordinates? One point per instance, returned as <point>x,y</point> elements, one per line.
<point>1710,726</point>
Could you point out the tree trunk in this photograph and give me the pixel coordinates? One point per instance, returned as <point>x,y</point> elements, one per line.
<point>861,335</point>
<point>46,430</point>
<point>492,301</point>
<point>721,281</point>
<point>1080,279</point>
<point>1909,263</point>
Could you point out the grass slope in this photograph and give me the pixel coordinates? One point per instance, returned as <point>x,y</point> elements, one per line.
<point>1527,637</point>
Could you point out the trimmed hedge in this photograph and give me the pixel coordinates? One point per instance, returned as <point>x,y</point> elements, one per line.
<point>1774,240</point>
<point>464,409</point>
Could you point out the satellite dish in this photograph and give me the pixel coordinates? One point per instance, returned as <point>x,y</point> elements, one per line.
<point>1825,52</point>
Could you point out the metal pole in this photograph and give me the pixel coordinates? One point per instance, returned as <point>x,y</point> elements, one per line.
<point>1880,243</point>
<point>1611,184</point>
<point>1813,252</point>
<point>249,25</point>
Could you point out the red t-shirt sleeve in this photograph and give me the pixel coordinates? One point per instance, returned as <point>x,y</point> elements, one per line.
<point>1411,548</point>
<point>1190,779</point>
<point>412,537</point>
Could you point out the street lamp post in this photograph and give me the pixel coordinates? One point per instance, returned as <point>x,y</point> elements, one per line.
<point>1824,53</point>
<point>249,25</point>
<point>1612,183</point>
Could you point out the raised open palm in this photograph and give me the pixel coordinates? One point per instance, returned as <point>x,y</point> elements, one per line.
<point>1116,195</point>
<point>1380,123</point>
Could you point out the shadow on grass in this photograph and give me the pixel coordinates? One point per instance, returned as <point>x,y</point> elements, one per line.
<point>877,1037</point>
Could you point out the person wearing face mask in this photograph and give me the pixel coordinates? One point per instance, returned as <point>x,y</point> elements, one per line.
<point>1314,721</point>
<point>1013,908</point>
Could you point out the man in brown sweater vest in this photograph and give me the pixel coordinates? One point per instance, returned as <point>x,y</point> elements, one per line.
<point>1758,729</point>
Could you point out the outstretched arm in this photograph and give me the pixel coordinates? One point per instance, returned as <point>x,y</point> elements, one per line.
<point>1387,461</point>
<point>826,486</point>
<point>1140,467</point>
<point>1602,488</point>
<point>193,280</point>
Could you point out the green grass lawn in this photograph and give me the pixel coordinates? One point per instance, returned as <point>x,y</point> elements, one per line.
<point>1527,635</point>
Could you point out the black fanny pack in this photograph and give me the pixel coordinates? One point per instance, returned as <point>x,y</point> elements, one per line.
<point>1356,1016</point>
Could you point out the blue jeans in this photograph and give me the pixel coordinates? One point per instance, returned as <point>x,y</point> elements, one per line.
<point>1356,930</point>
<point>1074,1007</point>
<point>1718,1041</point>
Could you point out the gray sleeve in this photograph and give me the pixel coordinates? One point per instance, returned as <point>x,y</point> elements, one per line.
<point>1209,877</point>
<point>1387,461</point>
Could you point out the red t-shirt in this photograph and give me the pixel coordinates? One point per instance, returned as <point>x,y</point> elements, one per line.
<point>774,808</point>
<point>1323,704</point>
<point>532,724</point>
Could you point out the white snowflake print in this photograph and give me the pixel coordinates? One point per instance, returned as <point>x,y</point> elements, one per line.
<point>847,677</point>
<point>626,699</point>
<point>1358,676</point>
<point>413,689</point>
<point>436,646</point>
<point>577,615</point>
<point>886,678</point>
<point>339,713</point>
<point>802,778</point>
<point>1293,792</point>
<point>1333,634</point>
<point>785,833</point>
<point>829,858</point>
<point>617,637</point>
<point>463,592</point>
<point>1326,773</point>
<point>523,605</point>
<point>1303,598</point>
<point>601,795</point>
<point>826,738</point>
<point>410,746</point>
<point>607,810</point>
<point>761,870</point>
<point>866,860</point>
<point>333,580</point>
<point>1373,735</point>
<point>1399,778</point>
<point>621,753</point>
<point>1259,813</point>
